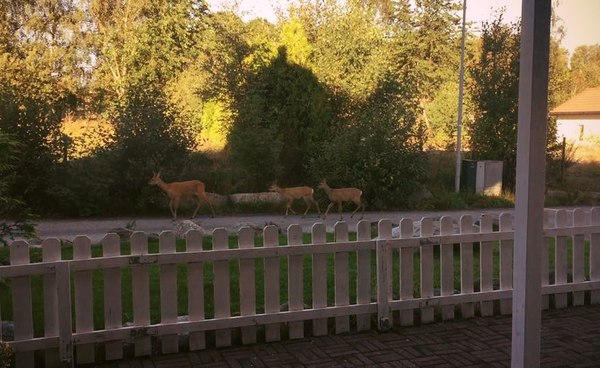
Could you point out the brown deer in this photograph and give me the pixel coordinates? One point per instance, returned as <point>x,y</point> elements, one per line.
<point>178,190</point>
<point>341,195</point>
<point>306,193</point>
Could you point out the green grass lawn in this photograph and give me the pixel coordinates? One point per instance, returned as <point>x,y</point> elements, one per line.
<point>98,285</point>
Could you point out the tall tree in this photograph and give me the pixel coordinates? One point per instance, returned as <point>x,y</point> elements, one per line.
<point>38,84</point>
<point>140,47</point>
<point>585,67</point>
<point>494,86</point>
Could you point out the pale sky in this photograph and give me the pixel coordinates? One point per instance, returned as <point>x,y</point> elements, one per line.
<point>581,18</point>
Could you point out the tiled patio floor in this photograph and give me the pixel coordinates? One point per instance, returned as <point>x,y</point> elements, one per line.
<point>570,338</point>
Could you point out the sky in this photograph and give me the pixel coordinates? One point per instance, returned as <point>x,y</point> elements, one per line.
<point>581,18</point>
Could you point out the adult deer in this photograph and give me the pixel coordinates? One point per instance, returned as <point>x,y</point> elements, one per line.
<point>182,189</point>
<point>306,193</point>
<point>340,195</point>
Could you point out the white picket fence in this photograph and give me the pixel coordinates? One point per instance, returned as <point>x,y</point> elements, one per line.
<point>373,279</point>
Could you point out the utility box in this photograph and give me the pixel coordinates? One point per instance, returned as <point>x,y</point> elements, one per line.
<point>483,177</point>
<point>468,176</point>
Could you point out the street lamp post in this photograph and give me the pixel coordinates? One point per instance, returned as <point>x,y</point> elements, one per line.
<point>460,102</point>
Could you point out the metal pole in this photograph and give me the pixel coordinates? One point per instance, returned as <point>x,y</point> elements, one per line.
<point>460,102</point>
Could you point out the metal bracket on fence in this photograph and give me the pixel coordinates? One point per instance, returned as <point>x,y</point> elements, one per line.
<point>429,302</point>
<point>143,259</point>
<point>142,332</point>
<point>384,324</point>
<point>430,241</point>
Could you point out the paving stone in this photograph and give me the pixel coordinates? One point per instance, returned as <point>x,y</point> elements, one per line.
<point>570,338</point>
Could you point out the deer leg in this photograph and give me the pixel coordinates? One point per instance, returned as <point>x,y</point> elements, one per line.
<point>197,207</point>
<point>306,201</point>
<point>327,210</point>
<point>358,205</point>
<point>316,205</point>
<point>340,210</point>
<point>289,207</point>
<point>205,198</point>
<point>173,205</point>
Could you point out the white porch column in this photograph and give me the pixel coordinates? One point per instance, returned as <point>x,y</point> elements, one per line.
<point>530,182</point>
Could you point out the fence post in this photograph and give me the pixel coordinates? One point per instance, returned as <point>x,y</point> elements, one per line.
<point>222,279</point>
<point>363,275</point>
<point>22,302</point>
<point>486,264</point>
<point>579,219</point>
<point>506,262</point>
<point>426,264</point>
<point>295,281</point>
<point>342,298</point>
<point>168,291</point>
<point>63,294</point>
<point>406,272</point>
<point>466,266</point>
<point>382,249</point>
<point>195,279</point>
<point>248,283</point>
<point>51,253</point>
<point>319,283</point>
<point>560,260</point>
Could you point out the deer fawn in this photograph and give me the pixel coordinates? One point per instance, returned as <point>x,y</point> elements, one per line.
<point>306,193</point>
<point>177,190</point>
<point>342,195</point>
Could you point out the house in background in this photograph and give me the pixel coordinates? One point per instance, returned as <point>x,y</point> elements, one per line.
<point>578,119</point>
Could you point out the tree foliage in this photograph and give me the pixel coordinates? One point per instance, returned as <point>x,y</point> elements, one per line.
<point>585,67</point>
<point>351,91</point>
<point>16,218</point>
<point>494,87</point>
<point>38,86</point>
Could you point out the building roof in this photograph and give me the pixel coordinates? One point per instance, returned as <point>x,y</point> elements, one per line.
<point>584,103</point>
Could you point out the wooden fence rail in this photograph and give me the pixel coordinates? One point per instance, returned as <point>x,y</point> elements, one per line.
<point>239,291</point>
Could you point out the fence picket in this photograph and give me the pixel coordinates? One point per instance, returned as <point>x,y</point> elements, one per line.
<point>56,281</point>
<point>271,239</point>
<point>319,279</point>
<point>22,308</point>
<point>426,261</point>
<point>549,222</point>
<point>506,263</point>
<point>295,282</point>
<point>222,293</point>
<point>560,257</point>
<point>195,281</point>
<point>247,285</point>
<point>384,265</point>
<point>595,254</point>
<point>84,310</point>
<point>406,272</point>
<point>168,292</point>
<point>363,275</point>
<point>466,266</point>
<point>447,266</point>
<point>342,287</point>
<point>579,219</point>
<point>140,293</point>
<point>65,330</point>
<point>486,264</point>
<point>111,247</point>
<point>51,253</point>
